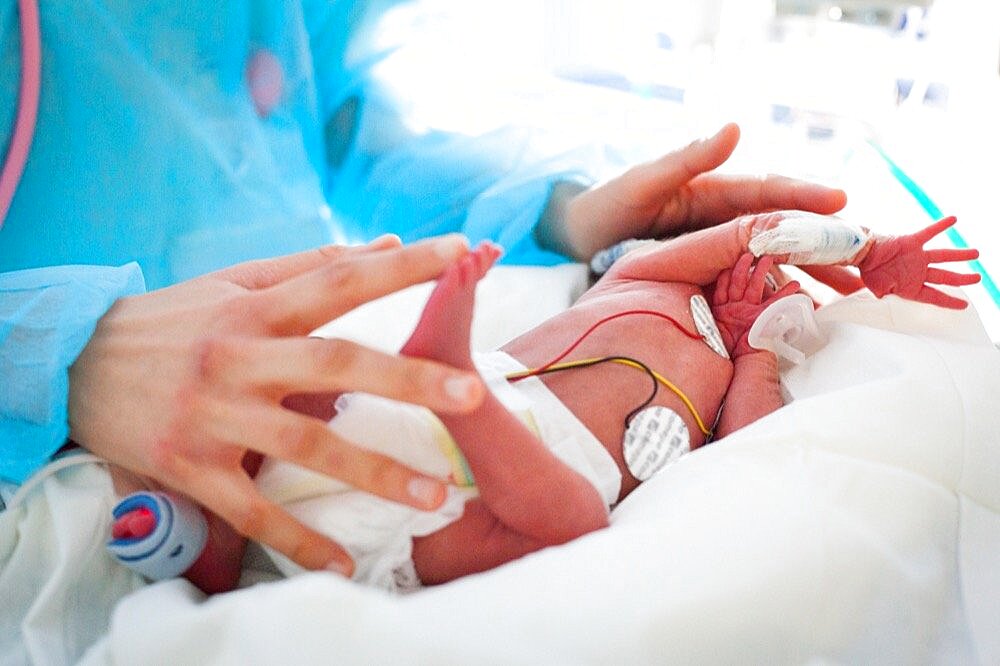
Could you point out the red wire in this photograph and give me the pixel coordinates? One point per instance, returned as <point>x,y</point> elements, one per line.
<point>599,323</point>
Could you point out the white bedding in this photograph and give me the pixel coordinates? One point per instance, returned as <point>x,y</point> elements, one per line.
<point>858,524</point>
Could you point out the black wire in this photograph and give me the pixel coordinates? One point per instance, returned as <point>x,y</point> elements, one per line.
<point>606,359</point>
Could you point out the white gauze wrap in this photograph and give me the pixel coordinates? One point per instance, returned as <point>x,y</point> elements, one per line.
<point>808,238</point>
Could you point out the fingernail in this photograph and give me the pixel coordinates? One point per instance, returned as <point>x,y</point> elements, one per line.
<point>385,240</point>
<point>428,492</point>
<point>341,567</point>
<point>461,388</point>
<point>451,246</point>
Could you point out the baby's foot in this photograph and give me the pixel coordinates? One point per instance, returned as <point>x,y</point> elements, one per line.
<point>219,567</point>
<point>444,330</point>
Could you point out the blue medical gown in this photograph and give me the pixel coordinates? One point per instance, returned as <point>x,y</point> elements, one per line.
<point>153,148</point>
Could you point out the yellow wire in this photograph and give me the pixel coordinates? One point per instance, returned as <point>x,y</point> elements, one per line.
<point>660,378</point>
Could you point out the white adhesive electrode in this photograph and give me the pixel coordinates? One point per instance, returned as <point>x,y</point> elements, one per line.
<point>705,323</point>
<point>810,239</point>
<point>655,437</point>
<point>788,328</point>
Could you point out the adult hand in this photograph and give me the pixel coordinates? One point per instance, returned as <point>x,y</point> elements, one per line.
<point>183,384</point>
<point>675,194</point>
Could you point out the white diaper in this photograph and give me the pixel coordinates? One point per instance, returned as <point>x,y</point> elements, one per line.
<point>378,533</point>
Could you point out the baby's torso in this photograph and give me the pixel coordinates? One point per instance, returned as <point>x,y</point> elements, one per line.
<point>603,395</point>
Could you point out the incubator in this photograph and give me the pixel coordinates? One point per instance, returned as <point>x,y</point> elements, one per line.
<point>875,490</point>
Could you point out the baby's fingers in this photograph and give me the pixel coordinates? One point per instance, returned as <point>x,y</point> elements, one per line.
<point>934,296</point>
<point>788,289</point>
<point>758,278</point>
<point>740,278</point>
<point>941,276</point>
<point>934,229</point>
<point>944,256</point>
<point>722,287</point>
<point>237,500</point>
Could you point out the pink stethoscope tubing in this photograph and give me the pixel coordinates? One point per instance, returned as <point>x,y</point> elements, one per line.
<point>27,104</point>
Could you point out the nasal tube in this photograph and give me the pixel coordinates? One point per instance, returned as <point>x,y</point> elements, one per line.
<point>788,328</point>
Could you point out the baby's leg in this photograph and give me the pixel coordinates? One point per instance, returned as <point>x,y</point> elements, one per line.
<point>525,487</point>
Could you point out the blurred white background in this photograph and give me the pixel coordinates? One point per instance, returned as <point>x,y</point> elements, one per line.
<point>823,89</point>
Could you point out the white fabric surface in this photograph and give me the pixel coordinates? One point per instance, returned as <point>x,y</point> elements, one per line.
<point>859,524</point>
<point>58,586</point>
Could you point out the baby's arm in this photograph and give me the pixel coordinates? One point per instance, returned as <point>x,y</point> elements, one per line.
<point>753,392</point>
<point>528,498</point>
<point>888,264</point>
<point>740,295</point>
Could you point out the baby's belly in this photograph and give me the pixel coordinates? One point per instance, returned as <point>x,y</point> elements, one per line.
<point>604,395</point>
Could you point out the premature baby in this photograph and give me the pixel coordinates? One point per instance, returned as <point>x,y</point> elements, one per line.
<point>652,362</point>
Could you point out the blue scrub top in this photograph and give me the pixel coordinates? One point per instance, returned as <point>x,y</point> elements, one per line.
<point>187,137</point>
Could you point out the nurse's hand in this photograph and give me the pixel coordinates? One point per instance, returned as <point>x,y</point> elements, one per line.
<point>675,194</point>
<point>185,385</point>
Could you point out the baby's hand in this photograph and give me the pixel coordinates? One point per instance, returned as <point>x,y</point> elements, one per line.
<point>899,265</point>
<point>741,294</point>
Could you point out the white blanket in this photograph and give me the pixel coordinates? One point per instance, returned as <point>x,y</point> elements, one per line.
<point>858,524</point>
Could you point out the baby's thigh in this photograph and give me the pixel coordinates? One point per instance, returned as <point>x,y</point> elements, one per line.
<point>476,542</point>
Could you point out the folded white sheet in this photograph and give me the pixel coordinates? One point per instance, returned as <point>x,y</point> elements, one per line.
<point>58,586</point>
<point>859,524</point>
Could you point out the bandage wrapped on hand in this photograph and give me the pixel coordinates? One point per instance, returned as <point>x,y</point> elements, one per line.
<point>809,239</point>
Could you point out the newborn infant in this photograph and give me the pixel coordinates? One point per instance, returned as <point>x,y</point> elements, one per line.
<point>652,362</point>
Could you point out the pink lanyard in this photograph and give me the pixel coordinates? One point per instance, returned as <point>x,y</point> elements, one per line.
<point>27,105</point>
